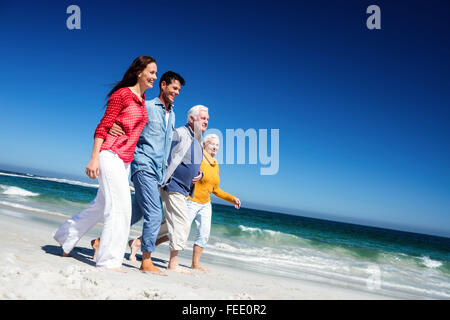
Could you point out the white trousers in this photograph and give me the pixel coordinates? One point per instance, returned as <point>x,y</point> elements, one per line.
<point>113,204</point>
<point>201,214</point>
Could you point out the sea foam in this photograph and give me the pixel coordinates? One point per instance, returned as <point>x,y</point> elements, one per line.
<point>28,208</point>
<point>271,236</point>
<point>429,263</point>
<point>16,191</point>
<point>73,182</point>
<point>262,231</point>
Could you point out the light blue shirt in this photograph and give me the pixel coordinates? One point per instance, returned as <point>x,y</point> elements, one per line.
<point>153,147</point>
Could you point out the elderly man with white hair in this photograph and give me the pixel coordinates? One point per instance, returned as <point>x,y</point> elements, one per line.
<point>182,173</point>
<point>199,203</point>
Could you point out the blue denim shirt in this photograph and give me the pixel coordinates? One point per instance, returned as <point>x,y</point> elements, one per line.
<point>153,147</point>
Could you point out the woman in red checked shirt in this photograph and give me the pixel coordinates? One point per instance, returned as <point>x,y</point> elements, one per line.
<point>110,162</point>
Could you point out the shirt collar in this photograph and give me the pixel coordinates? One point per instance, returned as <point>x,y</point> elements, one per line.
<point>136,98</point>
<point>191,132</point>
<point>190,129</point>
<point>159,103</point>
<point>212,161</point>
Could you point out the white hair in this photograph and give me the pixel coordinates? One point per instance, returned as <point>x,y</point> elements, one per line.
<point>209,137</point>
<point>193,112</point>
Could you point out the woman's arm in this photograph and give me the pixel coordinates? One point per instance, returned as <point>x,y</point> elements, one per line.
<point>113,108</point>
<point>227,197</point>
<point>93,168</point>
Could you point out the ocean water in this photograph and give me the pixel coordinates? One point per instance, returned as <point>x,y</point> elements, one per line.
<point>396,263</point>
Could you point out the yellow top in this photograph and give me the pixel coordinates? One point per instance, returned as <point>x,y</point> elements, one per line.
<point>210,182</point>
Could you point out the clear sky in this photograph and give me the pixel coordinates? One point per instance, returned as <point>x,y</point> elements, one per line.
<point>363,114</point>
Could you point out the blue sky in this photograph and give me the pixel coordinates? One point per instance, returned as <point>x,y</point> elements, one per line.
<point>363,114</point>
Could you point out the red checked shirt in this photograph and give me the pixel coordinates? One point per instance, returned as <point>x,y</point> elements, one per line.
<point>130,112</point>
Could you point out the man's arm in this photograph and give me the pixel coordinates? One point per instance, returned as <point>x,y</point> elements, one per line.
<point>171,163</point>
<point>116,130</point>
<point>198,177</point>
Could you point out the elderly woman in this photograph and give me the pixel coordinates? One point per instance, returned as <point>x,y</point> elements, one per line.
<point>199,204</point>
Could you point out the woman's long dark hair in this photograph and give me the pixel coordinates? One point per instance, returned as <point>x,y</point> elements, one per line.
<point>130,77</point>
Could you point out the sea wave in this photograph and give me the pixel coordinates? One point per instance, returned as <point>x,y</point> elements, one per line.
<point>221,245</point>
<point>268,234</point>
<point>71,182</point>
<point>259,231</point>
<point>258,236</point>
<point>309,263</point>
<point>74,182</point>
<point>13,205</point>
<point>429,263</point>
<point>16,191</point>
<point>46,199</point>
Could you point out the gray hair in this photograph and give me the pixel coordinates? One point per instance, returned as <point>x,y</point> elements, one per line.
<point>193,112</point>
<point>209,137</point>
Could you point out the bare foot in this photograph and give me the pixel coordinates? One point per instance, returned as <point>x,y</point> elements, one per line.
<point>95,244</point>
<point>134,246</point>
<point>199,267</point>
<point>179,270</point>
<point>150,268</point>
<point>64,254</point>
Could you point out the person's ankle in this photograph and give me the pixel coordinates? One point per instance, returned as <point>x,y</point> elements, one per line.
<point>146,256</point>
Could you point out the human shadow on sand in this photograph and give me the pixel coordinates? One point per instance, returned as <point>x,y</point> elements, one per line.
<point>156,261</point>
<point>86,255</point>
<point>81,254</point>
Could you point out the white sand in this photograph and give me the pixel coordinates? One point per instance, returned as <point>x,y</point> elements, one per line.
<point>31,268</point>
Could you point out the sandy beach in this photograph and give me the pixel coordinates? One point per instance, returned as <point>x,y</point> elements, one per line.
<point>32,268</point>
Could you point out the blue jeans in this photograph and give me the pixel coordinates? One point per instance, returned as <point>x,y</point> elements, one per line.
<point>147,204</point>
